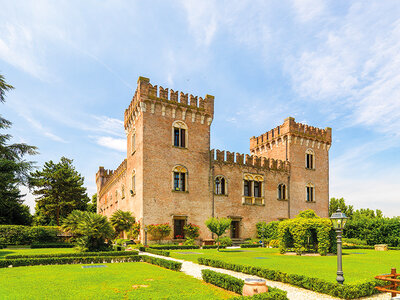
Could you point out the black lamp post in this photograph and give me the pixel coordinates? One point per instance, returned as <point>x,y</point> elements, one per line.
<point>145,235</point>
<point>339,219</point>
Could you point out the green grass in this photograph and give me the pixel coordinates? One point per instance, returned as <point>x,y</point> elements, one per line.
<point>356,267</point>
<point>116,281</point>
<point>28,251</point>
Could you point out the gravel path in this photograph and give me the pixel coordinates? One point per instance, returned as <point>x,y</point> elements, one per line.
<point>295,293</point>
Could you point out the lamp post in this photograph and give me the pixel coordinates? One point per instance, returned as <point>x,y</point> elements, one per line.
<point>145,235</point>
<point>339,219</point>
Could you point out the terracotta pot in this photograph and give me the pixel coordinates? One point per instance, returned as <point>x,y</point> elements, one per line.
<point>254,286</point>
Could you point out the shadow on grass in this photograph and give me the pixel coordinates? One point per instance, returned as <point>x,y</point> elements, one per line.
<point>5,252</point>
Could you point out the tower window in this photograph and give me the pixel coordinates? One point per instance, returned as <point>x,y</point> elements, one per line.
<point>179,179</point>
<point>179,133</point>
<point>247,188</point>
<point>133,142</point>
<point>310,193</point>
<point>220,185</point>
<point>257,189</point>
<point>310,159</point>
<point>282,192</point>
<point>133,191</point>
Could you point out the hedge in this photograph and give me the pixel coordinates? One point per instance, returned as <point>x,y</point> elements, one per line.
<point>213,247</point>
<point>82,254</point>
<point>234,284</point>
<point>173,247</point>
<point>366,247</point>
<point>154,251</point>
<point>53,245</point>
<point>25,235</point>
<point>168,264</point>
<point>250,245</point>
<point>347,291</point>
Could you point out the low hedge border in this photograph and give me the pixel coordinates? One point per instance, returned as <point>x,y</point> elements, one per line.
<point>346,291</point>
<point>52,245</point>
<point>82,254</point>
<point>366,247</point>
<point>235,285</point>
<point>250,245</point>
<point>165,263</point>
<point>173,247</point>
<point>213,247</point>
<point>154,251</point>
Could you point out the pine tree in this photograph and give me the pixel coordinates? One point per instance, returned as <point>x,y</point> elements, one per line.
<point>60,190</point>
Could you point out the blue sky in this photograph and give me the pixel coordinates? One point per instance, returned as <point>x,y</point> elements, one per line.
<point>75,64</point>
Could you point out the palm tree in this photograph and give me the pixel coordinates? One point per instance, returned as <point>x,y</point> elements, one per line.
<point>122,221</point>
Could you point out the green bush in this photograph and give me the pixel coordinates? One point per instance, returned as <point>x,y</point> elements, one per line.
<point>250,245</point>
<point>168,264</point>
<point>173,247</point>
<point>83,254</point>
<point>212,247</point>
<point>354,241</point>
<point>159,231</point>
<point>270,231</point>
<point>191,231</point>
<point>225,241</point>
<point>25,235</point>
<point>274,243</point>
<point>273,294</point>
<point>347,291</point>
<point>224,281</point>
<point>52,245</point>
<point>154,251</point>
<point>189,242</point>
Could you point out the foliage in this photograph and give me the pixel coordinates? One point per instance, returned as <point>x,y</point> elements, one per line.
<point>189,242</point>
<point>52,245</point>
<point>274,243</point>
<point>353,241</point>
<point>59,190</point>
<point>307,232</point>
<point>224,281</point>
<point>270,230</point>
<point>218,226</point>
<point>13,172</point>
<point>90,229</point>
<point>213,247</point>
<point>225,241</point>
<point>134,231</point>
<point>92,206</point>
<point>122,221</point>
<point>173,247</point>
<point>335,203</point>
<point>159,231</point>
<point>250,245</point>
<point>168,264</point>
<point>272,294</point>
<point>154,251</point>
<point>85,254</point>
<point>191,231</point>
<point>24,235</point>
<point>347,291</point>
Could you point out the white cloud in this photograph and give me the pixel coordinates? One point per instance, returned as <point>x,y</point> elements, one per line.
<point>307,10</point>
<point>112,143</point>
<point>43,130</point>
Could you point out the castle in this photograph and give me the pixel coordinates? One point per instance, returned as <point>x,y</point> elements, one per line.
<point>171,176</point>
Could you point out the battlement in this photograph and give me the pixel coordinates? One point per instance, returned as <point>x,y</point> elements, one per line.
<point>292,128</point>
<point>109,176</point>
<point>249,160</point>
<point>147,92</point>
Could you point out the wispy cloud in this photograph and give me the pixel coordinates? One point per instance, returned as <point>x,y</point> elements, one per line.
<point>112,143</point>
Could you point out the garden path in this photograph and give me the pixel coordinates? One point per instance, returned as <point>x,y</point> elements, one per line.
<point>293,293</point>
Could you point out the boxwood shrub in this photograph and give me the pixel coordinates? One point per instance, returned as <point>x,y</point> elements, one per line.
<point>81,254</point>
<point>173,247</point>
<point>52,245</point>
<point>168,264</point>
<point>213,247</point>
<point>346,291</point>
<point>250,245</point>
<point>154,251</point>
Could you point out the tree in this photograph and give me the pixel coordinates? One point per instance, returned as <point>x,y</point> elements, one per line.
<point>59,190</point>
<point>92,207</point>
<point>335,203</point>
<point>122,221</point>
<point>13,172</point>
<point>218,226</point>
<point>159,231</point>
<point>90,230</point>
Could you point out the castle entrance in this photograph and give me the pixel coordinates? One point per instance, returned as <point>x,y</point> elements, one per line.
<point>235,225</point>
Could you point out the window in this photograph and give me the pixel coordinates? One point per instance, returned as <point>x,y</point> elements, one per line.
<point>179,223</point>
<point>179,133</point>
<point>309,159</point>
<point>310,193</point>
<point>247,188</point>
<point>220,185</point>
<point>253,189</point>
<point>133,190</point>
<point>123,192</point>
<point>116,195</point>
<point>282,192</point>
<point>257,189</point>
<point>133,142</point>
<point>180,178</point>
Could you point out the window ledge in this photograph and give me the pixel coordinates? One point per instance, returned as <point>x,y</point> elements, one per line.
<point>223,195</point>
<point>310,169</point>
<point>179,147</point>
<point>310,201</point>
<point>282,199</point>
<point>180,191</point>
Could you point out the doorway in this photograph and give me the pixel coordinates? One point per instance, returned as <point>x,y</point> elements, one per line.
<point>179,233</point>
<point>235,225</point>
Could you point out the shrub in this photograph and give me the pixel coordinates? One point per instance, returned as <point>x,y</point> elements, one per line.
<point>159,231</point>
<point>347,291</point>
<point>225,241</point>
<point>173,247</point>
<point>25,235</point>
<point>274,243</point>
<point>353,241</point>
<point>52,245</point>
<point>224,281</point>
<point>122,221</point>
<point>154,251</point>
<point>273,294</point>
<point>189,242</point>
<point>168,264</point>
<point>134,231</point>
<point>270,230</point>
<point>191,231</point>
<point>85,254</point>
<point>250,245</point>
<point>213,247</point>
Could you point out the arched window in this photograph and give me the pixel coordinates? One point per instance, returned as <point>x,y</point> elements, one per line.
<point>180,175</point>
<point>310,192</point>
<point>133,141</point>
<point>282,192</point>
<point>310,160</point>
<point>258,181</point>
<point>133,190</point>
<point>123,192</point>
<point>179,134</point>
<point>116,195</point>
<point>220,185</point>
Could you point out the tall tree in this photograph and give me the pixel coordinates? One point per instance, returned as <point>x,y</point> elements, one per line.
<point>122,221</point>
<point>13,171</point>
<point>92,206</point>
<point>336,203</point>
<point>59,190</point>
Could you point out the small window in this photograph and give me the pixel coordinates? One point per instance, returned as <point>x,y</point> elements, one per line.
<point>247,188</point>
<point>180,178</point>
<point>133,142</point>
<point>123,192</point>
<point>257,189</point>
<point>282,192</point>
<point>220,185</point>
<point>179,133</point>
<point>133,191</point>
<point>310,193</point>
<point>310,159</point>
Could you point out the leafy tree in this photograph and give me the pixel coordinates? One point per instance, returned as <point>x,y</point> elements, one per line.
<point>13,172</point>
<point>335,203</point>
<point>122,221</point>
<point>90,229</point>
<point>134,231</point>
<point>92,207</point>
<point>192,231</point>
<point>218,227</point>
<point>159,231</point>
<point>60,190</point>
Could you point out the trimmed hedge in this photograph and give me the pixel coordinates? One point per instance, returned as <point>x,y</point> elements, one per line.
<point>168,264</point>
<point>154,251</point>
<point>213,247</point>
<point>250,245</point>
<point>366,247</point>
<point>52,245</point>
<point>346,291</point>
<point>82,254</point>
<point>234,284</point>
<point>2,246</point>
<point>20,262</point>
<point>173,247</point>
<point>24,235</point>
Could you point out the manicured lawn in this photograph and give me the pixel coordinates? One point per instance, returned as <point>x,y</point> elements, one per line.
<point>115,281</point>
<point>28,251</point>
<point>358,265</point>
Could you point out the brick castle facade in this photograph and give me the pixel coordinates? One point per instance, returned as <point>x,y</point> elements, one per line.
<point>171,176</point>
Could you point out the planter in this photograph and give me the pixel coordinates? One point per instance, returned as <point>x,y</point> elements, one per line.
<point>254,286</point>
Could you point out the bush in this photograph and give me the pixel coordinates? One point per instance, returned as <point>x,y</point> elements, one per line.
<point>347,291</point>
<point>274,243</point>
<point>191,231</point>
<point>353,241</point>
<point>25,235</point>
<point>224,281</point>
<point>189,242</point>
<point>154,251</point>
<point>270,230</point>
<point>212,247</point>
<point>250,245</point>
<point>159,231</point>
<point>52,245</point>
<point>173,247</point>
<point>168,264</point>
<point>225,241</point>
<point>84,254</point>
<point>273,294</point>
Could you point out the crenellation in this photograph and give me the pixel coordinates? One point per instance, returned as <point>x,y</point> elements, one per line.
<point>163,93</point>
<point>183,98</point>
<point>173,95</point>
<point>193,100</point>
<point>230,157</point>
<point>239,158</point>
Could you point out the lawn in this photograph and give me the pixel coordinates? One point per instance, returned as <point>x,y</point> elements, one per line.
<point>358,265</point>
<point>115,281</point>
<point>28,251</point>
